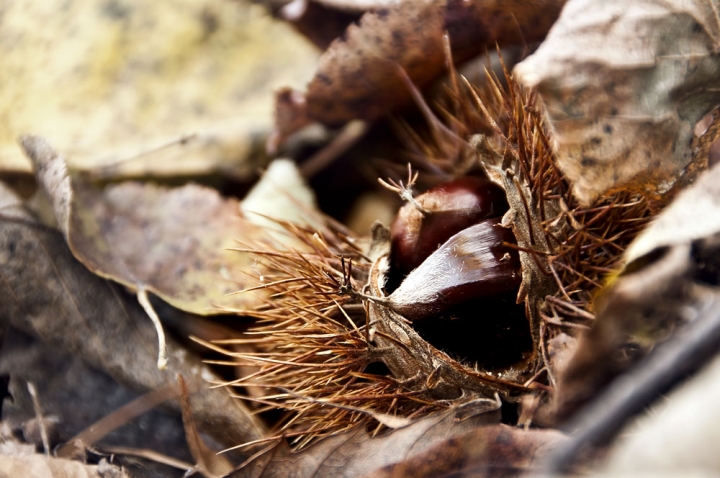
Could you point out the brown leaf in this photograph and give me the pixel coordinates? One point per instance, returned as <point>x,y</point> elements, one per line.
<point>491,451</point>
<point>624,84</point>
<point>662,287</point>
<point>359,75</point>
<point>52,296</point>
<point>67,389</point>
<point>172,242</point>
<point>356,453</point>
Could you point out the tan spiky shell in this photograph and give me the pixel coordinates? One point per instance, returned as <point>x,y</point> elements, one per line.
<point>320,328</point>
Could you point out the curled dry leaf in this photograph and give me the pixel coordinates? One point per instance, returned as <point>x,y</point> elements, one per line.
<point>624,85</point>
<point>50,295</point>
<point>362,75</point>
<point>172,242</point>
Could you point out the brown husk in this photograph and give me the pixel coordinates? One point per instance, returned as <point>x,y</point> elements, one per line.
<point>325,322</point>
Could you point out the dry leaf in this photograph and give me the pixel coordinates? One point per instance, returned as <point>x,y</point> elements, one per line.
<point>111,80</point>
<point>172,242</point>
<point>356,453</point>
<point>488,451</point>
<point>360,76</point>
<point>624,85</point>
<point>50,295</point>
<point>67,389</point>
<point>664,285</point>
<point>49,467</point>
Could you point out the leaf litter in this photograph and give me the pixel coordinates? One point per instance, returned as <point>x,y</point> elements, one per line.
<point>52,296</point>
<point>571,245</point>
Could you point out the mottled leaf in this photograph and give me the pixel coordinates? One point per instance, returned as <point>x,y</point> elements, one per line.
<point>624,85</point>
<point>47,293</point>
<point>172,242</point>
<point>117,83</point>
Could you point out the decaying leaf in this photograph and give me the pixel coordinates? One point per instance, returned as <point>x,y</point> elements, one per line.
<point>624,85</point>
<point>47,293</point>
<point>136,89</point>
<point>50,467</point>
<point>355,453</point>
<point>172,242</point>
<point>671,267</point>
<point>488,451</point>
<point>361,74</point>
<point>67,389</point>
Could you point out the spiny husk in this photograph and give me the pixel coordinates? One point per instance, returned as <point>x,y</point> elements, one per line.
<point>567,251</point>
<point>313,337</point>
<point>312,342</point>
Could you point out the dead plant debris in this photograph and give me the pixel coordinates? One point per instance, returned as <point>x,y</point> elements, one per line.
<point>547,273</point>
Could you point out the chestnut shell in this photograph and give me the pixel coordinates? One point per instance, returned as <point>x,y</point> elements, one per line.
<point>450,208</point>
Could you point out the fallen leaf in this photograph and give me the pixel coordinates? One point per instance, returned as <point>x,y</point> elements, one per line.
<point>489,451</point>
<point>359,76</point>
<point>50,295</point>
<point>357,453</point>
<point>664,285</point>
<point>49,467</point>
<point>136,89</point>
<point>172,242</point>
<point>67,389</point>
<point>624,85</point>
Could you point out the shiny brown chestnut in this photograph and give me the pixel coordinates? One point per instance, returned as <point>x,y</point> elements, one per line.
<point>425,223</point>
<point>476,262</point>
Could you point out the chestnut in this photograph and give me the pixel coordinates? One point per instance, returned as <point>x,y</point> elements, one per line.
<point>476,262</point>
<point>425,223</point>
